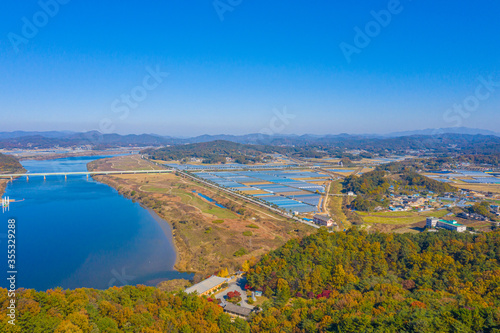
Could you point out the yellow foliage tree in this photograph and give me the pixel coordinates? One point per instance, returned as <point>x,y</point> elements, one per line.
<point>224,272</point>
<point>245,267</point>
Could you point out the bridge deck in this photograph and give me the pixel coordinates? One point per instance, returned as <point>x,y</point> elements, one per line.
<point>83,173</point>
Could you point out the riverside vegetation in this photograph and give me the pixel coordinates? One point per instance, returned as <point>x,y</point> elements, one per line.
<point>8,164</point>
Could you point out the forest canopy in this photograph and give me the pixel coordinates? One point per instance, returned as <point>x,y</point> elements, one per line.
<point>326,282</point>
<point>359,282</point>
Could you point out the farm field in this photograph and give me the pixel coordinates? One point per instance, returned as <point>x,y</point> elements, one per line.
<point>289,190</point>
<point>399,218</point>
<point>494,188</point>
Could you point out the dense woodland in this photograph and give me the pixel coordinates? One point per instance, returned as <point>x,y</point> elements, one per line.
<point>358,282</point>
<point>126,309</point>
<point>9,164</point>
<point>213,152</point>
<point>326,282</point>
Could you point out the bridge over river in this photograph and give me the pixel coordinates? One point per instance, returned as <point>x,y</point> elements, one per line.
<point>81,173</point>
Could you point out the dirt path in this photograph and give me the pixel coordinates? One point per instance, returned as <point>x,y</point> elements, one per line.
<point>325,198</point>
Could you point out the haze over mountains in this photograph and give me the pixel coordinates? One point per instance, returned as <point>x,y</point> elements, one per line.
<point>464,139</point>
<point>245,138</point>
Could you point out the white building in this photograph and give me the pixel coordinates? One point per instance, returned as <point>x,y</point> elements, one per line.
<point>433,222</point>
<point>207,286</point>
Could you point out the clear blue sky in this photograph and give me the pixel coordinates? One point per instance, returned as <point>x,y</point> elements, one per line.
<point>227,76</point>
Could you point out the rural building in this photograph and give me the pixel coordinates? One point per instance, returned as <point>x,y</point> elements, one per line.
<point>473,216</point>
<point>433,222</point>
<point>207,286</point>
<point>236,310</point>
<point>323,220</point>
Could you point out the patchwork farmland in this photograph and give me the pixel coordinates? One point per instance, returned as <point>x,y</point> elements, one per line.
<point>292,191</point>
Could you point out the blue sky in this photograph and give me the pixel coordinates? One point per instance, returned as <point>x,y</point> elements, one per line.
<point>233,75</point>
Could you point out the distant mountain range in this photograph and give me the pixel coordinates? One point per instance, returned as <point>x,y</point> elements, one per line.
<point>23,140</point>
<point>449,130</point>
<point>20,134</point>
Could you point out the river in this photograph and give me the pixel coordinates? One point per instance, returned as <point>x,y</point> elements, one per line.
<point>80,233</point>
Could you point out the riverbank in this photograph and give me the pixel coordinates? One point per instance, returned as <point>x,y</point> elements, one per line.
<point>181,257</point>
<point>5,182</point>
<point>8,165</point>
<point>3,186</point>
<point>206,237</point>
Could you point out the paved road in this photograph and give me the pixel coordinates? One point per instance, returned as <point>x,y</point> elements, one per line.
<point>239,286</point>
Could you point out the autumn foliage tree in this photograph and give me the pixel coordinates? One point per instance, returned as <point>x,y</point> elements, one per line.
<point>360,282</point>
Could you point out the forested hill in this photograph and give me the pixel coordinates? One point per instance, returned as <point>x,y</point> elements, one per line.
<point>116,310</point>
<point>338,282</point>
<point>372,188</point>
<point>358,282</point>
<point>9,164</point>
<point>214,152</point>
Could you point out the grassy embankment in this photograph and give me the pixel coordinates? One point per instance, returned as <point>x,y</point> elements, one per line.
<point>335,206</point>
<point>207,238</point>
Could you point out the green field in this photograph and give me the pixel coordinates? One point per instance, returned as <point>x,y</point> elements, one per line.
<point>156,189</point>
<point>399,217</point>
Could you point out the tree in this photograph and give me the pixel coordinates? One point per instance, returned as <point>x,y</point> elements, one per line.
<point>224,272</point>
<point>245,267</point>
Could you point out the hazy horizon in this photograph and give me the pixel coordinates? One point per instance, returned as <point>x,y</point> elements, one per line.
<point>433,131</point>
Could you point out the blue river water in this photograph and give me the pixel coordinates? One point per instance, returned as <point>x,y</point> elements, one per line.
<point>80,233</point>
